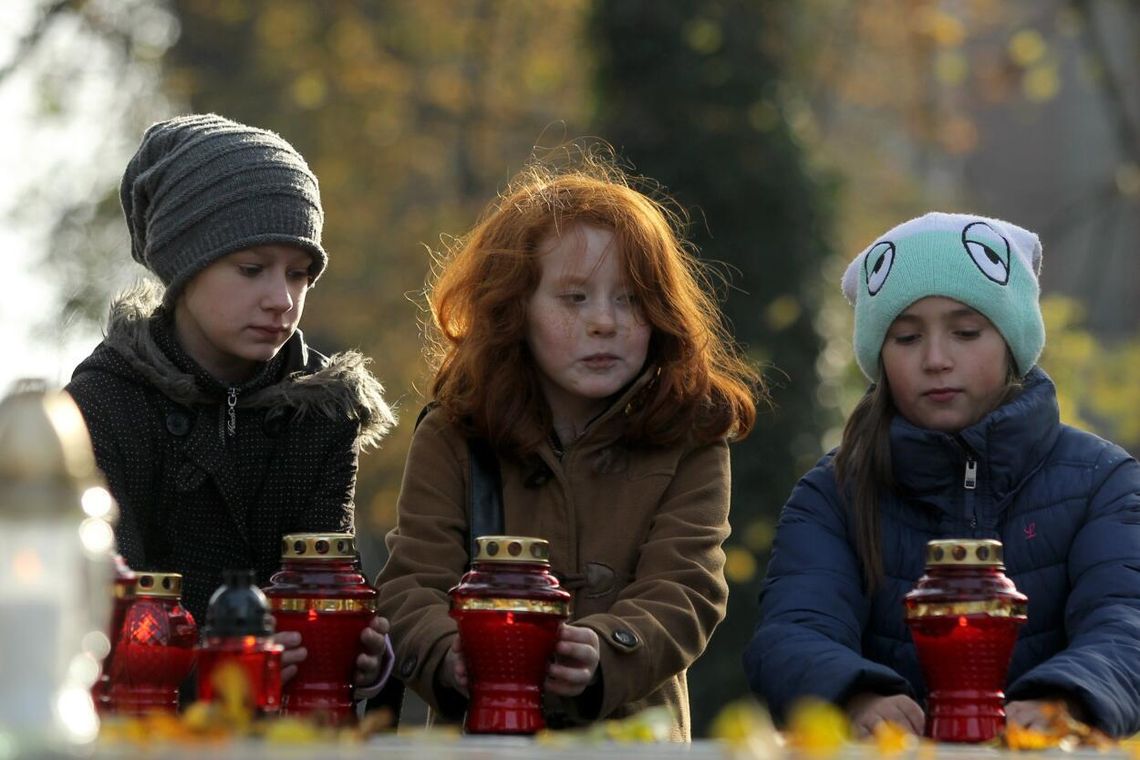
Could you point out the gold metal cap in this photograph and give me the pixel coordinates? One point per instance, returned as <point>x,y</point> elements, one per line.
<point>976,552</point>
<point>162,585</point>
<point>512,549</point>
<point>318,546</point>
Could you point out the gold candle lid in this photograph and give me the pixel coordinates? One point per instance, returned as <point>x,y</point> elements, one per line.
<point>161,585</point>
<point>318,546</point>
<point>512,549</point>
<point>964,552</point>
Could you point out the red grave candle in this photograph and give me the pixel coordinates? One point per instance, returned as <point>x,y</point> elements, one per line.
<point>320,592</point>
<point>964,615</point>
<point>238,637</point>
<point>124,595</point>
<point>155,651</point>
<point>509,609</point>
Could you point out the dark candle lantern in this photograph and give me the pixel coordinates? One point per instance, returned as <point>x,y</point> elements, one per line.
<point>238,637</point>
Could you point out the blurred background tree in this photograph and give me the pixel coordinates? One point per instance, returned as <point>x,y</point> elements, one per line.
<point>687,92</point>
<point>791,133</point>
<point>411,114</point>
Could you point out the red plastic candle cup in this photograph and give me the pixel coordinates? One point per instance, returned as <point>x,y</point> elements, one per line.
<point>156,648</point>
<point>124,595</point>
<point>321,593</point>
<point>509,608</point>
<point>964,615</point>
<point>255,659</point>
<point>238,655</point>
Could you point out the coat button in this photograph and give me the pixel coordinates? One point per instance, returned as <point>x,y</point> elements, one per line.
<point>624,637</point>
<point>408,666</point>
<point>177,423</point>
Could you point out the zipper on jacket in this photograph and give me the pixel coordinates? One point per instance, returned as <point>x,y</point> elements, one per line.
<point>231,413</point>
<point>970,482</point>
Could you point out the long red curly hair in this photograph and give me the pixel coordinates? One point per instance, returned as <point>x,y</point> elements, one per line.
<point>485,378</point>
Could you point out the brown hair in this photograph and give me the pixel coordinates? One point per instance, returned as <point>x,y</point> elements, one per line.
<point>485,377</point>
<point>863,466</point>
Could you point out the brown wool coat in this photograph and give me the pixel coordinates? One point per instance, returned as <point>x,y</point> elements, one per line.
<point>635,535</point>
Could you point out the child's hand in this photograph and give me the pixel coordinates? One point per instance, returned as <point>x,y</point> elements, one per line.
<point>294,653</point>
<point>575,664</point>
<point>1043,715</point>
<point>370,663</point>
<point>453,674</point>
<point>867,710</point>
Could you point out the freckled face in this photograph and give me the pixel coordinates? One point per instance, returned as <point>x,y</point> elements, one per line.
<point>585,328</point>
<point>240,310</point>
<point>946,364</point>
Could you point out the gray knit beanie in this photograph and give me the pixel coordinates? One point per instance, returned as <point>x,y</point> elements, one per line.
<point>202,186</point>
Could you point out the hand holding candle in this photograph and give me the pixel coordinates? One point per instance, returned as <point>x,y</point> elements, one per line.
<point>575,664</point>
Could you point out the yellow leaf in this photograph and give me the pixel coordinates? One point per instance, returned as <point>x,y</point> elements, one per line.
<point>704,35</point>
<point>944,29</point>
<point>1041,83</point>
<point>739,565</point>
<point>818,729</point>
<point>892,739</point>
<point>747,728</point>
<point>782,312</point>
<point>1027,47</point>
<point>951,68</point>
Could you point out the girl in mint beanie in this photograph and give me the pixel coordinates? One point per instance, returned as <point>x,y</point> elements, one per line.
<point>958,437</point>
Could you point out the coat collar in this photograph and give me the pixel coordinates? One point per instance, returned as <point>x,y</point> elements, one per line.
<point>336,386</point>
<point>620,406</point>
<point>182,365</point>
<point>1008,444</point>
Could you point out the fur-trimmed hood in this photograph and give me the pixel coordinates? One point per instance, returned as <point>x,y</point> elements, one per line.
<point>337,385</point>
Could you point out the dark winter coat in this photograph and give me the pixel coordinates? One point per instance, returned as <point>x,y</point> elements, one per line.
<point>635,535</point>
<point>1066,506</point>
<point>198,494</point>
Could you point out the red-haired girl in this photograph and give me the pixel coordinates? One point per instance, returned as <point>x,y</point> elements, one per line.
<point>576,337</point>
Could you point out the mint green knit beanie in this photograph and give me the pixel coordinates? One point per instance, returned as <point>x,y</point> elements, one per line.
<point>987,264</point>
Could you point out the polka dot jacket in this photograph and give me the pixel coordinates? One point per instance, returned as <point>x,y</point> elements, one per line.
<point>207,476</point>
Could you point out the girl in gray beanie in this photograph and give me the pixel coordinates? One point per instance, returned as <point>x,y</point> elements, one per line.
<point>218,429</point>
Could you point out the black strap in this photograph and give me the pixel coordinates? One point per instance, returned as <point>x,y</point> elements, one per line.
<point>484,494</point>
<point>484,489</point>
<point>485,518</point>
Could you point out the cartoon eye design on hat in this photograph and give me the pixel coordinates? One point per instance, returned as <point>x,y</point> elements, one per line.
<point>988,250</point>
<point>877,265</point>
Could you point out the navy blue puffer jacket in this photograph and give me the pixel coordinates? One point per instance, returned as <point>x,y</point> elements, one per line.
<point>1066,506</point>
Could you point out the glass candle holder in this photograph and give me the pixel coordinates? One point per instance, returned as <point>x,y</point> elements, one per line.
<point>123,590</point>
<point>155,651</point>
<point>964,615</point>
<point>509,608</point>
<point>321,593</point>
<point>56,541</point>
<point>238,653</point>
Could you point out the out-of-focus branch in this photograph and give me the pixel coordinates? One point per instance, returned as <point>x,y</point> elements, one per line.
<point>1127,131</point>
<point>29,41</point>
